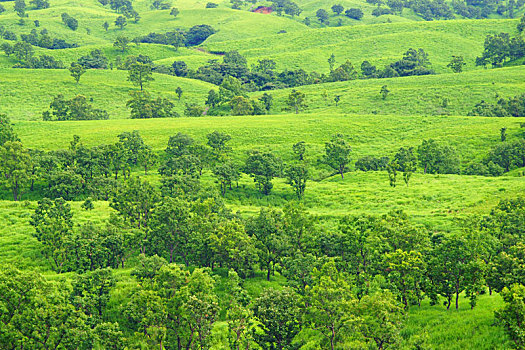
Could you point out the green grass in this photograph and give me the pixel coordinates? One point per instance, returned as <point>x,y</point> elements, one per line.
<point>27,93</point>
<point>457,329</point>
<point>422,95</point>
<point>412,112</point>
<point>380,44</point>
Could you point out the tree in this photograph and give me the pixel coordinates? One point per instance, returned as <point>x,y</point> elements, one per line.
<point>322,16</point>
<point>217,142</point>
<point>263,167</point>
<point>337,98</point>
<point>230,88</point>
<point>121,22</point>
<point>272,242</point>
<point>105,26</point>
<point>241,106</point>
<point>337,154</point>
<point>455,266</point>
<point>380,319</point>
<point>40,4</point>
<point>331,62</point>
<point>354,13</point>
<point>53,225</point>
<point>23,51</point>
<point>8,49</point>
<point>69,21</point>
<point>296,101</point>
<point>6,130</point>
<point>296,176</point>
<point>406,162</point>
<point>171,230</point>
<point>15,167</point>
<point>196,35</point>
<point>521,25</point>
<point>226,173</point>
<point>213,98</point>
<point>135,201</point>
<point>77,70</point>
<point>121,43</point>
<point>178,91</point>
<point>456,64</point>
<point>512,315</point>
<point>437,158</point>
<point>146,314</point>
<point>140,74</point>
<point>384,92</point>
<point>91,293</point>
<point>279,316</point>
<point>299,149</point>
<point>503,134</point>
<point>406,272</point>
<point>338,9</point>
<point>267,100</point>
<point>20,8</point>
<point>330,305</point>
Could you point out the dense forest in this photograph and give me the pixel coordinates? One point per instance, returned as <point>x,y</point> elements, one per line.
<point>186,174</point>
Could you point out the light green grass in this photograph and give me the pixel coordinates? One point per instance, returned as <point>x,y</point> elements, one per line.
<point>380,44</point>
<point>421,95</point>
<point>27,93</point>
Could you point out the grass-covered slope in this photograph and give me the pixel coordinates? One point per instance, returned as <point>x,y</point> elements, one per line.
<point>26,93</point>
<point>379,44</point>
<point>441,94</point>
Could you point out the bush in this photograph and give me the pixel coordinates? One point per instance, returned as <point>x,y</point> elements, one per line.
<point>69,21</point>
<point>211,5</point>
<point>196,35</point>
<point>380,11</point>
<point>41,62</point>
<point>76,108</point>
<point>95,60</point>
<point>369,163</point>
<point>354,13</point>
<point>143,106</point>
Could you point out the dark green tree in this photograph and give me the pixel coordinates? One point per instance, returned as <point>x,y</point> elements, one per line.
<point>337,154</point>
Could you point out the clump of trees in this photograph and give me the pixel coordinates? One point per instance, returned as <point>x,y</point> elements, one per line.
<point>511,107</point>
<point>143,106</point>
<point>76,108</point>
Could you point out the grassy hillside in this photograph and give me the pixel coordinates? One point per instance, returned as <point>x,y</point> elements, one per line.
<point>379,44</point>
<point>29,92</point>
<point>418,108</point>
<point>423,95</point>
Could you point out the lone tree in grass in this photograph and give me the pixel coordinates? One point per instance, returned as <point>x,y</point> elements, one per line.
<point>456,64</point>
<point>296,176</point>
<point>338,9</point>
<point>77,70</point>
<point>331,62</point>
<point>337,154</point>
<point>139,74</point>
<point>121,43</point>
<point>322,16</point>
<point>337,98</point>
<point>174,12</point>
<point>121,22</point>
<point>179,92</point>
<point>20,8</point>
<point>106,26</point>
<point>296,101</point>
<point>384,92</point>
